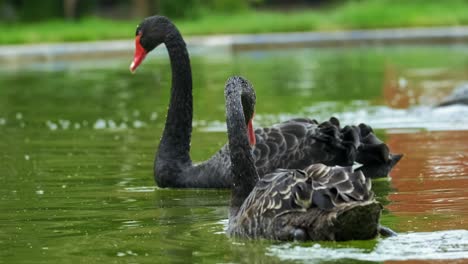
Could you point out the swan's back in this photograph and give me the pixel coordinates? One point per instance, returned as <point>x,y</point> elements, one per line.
<point>297,143</point>
<point>318,203</point>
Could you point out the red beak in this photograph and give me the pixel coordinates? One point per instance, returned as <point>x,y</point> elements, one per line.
<point>140,54</point>
<point>251,133</point>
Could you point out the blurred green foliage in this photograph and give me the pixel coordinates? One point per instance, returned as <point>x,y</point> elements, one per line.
<point>23,10</point>
<point>97,20</point>
<point>29,10</point>
<point>40,10</point>
<point>195,8</point>
<point>32,11</point>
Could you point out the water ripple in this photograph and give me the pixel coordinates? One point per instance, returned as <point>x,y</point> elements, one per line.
<point>451,244</point>
<point>141,189</point>
<point>453,117</point>
<point>448,118</point>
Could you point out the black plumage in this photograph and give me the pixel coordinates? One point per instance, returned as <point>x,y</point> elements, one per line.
<point>292,144</point>
<point>318,203</point>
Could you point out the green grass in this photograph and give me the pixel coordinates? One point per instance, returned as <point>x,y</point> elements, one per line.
<point>60,31</point>
<point>350,15</point>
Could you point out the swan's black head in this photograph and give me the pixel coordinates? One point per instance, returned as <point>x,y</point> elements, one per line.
<point>149,34</point>
<point>248,96</point>
<point>248,99</point>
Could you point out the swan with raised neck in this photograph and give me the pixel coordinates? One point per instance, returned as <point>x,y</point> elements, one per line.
<point>318,203</point>
<point>295,143</point>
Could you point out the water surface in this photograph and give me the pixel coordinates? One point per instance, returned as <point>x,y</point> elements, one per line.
<point>78,140</point>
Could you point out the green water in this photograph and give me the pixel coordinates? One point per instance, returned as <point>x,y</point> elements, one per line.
<point>78,140</point>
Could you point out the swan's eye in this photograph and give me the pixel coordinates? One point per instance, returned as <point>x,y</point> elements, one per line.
<point>138,30</point>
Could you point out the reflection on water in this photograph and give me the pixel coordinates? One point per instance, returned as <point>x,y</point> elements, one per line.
<point>77,147</point>
<point>431,183</point>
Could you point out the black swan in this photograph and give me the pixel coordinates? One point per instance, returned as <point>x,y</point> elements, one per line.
<point>317,203</point>
<point>458,96</point>
<point>292,144</point>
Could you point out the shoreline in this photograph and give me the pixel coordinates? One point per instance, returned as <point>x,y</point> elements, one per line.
<point>47,52</point>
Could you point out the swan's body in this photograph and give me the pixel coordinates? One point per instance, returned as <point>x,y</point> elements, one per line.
<point>292,144</point>
<point>318,203</point>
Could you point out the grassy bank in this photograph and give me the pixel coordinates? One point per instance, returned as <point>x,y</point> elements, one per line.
<point>351,15</point>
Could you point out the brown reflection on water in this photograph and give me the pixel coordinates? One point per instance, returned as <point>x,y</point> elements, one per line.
<point>431,181</point>
<point>392,89</point>
<point>405,87</point>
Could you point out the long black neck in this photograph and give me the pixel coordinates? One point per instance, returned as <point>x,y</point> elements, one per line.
<point>242,164</point>
<point>174,148</point>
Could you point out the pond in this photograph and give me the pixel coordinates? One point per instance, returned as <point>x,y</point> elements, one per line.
<point>78,142</point>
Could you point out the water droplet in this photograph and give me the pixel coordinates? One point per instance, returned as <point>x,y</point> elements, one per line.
<point>138,124</point>
<point>64,123</point>
<point>402,83</point>
<point>129,252</point>
<point>123,125</point>
<point>51,125</point>
<point>100,124</point>
<point>153,116</point>
<point>111,124</point>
